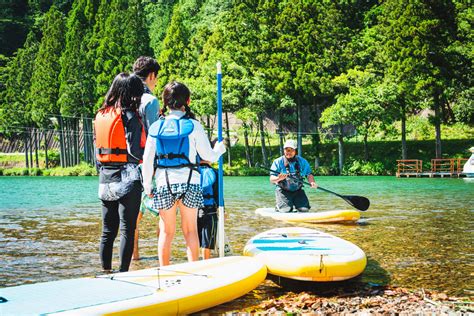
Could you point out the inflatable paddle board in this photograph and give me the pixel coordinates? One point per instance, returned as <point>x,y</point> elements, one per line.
<point>176,289</point>
<point>306,254</point>
<point>311,217</point>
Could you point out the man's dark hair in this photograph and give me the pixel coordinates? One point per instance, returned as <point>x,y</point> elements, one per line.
<point>145,65</point>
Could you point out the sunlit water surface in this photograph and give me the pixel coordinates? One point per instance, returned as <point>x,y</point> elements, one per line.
<point>418,233</point>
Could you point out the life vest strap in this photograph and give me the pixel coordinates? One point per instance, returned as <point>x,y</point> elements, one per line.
<point>172,156</point>
<point>188,165</point>
<point>111,151</point>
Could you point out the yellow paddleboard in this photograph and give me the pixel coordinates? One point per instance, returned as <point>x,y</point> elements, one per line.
<point>337,216</point>
<point>306,254</point>
<point>172,290</point>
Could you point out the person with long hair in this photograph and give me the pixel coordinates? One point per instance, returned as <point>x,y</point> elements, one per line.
<point>173,143</point>
<point>120,139</point>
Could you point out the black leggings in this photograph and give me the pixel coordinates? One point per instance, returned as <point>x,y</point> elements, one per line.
<point>122,213</point>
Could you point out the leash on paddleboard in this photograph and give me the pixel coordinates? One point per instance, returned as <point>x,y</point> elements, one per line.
<point>359,202</point>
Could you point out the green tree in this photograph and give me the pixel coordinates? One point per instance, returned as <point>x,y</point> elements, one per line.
<point>44,89</point>
<point>14,25</point>
<point>121,36</point>
<point>461,55</point>
<point>158,16</point>
<point>175,51</point>
<point>76,92</point>
<point>15,110</point>
<point>412,52</point>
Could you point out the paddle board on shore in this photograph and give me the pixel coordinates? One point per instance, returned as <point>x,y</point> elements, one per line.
<point>306,254</point>
<point>176,289</point>
<point>336,216</point>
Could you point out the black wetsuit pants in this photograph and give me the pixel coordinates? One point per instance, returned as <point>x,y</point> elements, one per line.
<point>120,214</point>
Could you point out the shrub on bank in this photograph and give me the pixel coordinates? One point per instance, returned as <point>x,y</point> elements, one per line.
<point>362,168</point>
<point>79,170</point>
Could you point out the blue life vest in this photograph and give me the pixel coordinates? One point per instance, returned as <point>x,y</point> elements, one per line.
<point>208,179</point>
<point>294,183</point>
<point>172,142</point>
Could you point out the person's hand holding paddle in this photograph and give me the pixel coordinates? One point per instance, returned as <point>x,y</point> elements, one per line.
<point>311,181</point>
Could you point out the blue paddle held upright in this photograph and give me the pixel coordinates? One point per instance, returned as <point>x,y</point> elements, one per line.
<point>220,225</point>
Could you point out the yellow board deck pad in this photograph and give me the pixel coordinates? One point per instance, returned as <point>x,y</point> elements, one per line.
<point>306,254</point>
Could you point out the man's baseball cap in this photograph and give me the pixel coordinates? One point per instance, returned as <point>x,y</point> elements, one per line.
<point>290,143</point>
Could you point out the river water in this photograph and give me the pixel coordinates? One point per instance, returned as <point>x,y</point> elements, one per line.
<point>418,233</point>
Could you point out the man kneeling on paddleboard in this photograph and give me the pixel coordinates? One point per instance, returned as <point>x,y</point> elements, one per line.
<point>292,169</point>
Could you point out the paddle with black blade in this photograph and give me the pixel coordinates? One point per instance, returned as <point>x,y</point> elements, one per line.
<point>359,202</point>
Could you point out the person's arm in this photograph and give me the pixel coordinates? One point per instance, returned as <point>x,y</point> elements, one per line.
<point>133,133</point>
<point>277,178</point>
<point>308,173</point>
<point>203,147</point>
<point>151,112</point>
<point>312,182</point>
<point>147,166</point>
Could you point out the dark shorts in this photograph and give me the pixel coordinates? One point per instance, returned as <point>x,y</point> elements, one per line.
<point>207,228</point>
<point>287,201</point>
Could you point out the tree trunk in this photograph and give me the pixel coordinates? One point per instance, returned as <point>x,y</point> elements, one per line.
<point>25,140</point>
<point>262,139</point>
<point>247,148</point>
<point>280,132</point>
<point>270,153</point>
<point>76,142</point>
<point>31,148</point>
<point>62,151</point>
<point>316,139</point>
<point>229,157</point>
<point>300,144</point>
<point>66,143</point>
<point>85,139</point>
<point>209,130</point>
<point>46,144</point>
<point>36,148</point>
<point>366,148</point>
<point>404,134</point>
<point>437,122</point>
<point>90,141</point>
<point>341,148</point>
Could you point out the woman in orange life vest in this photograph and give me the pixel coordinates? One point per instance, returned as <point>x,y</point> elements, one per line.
<point>175,141</point>
<point>120,139</point>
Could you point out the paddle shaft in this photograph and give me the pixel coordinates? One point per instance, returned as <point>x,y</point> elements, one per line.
<point>220,223</point>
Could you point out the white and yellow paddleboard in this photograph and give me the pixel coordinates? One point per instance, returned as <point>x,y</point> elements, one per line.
<point>306,254</point>
<point>172,290</point>
<point>337,216</point>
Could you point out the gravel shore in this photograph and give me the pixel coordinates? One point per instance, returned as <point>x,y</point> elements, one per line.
<point>327,299</point>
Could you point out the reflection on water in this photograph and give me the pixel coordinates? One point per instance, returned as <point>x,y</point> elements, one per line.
<point>417,232</point>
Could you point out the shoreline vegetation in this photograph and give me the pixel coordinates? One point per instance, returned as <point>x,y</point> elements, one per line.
<point>382,161</point>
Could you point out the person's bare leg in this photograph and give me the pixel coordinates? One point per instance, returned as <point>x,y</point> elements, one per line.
<point>189,227</point>
<point>167,226</point>
<point>136,254</point>
<point>206,253</point>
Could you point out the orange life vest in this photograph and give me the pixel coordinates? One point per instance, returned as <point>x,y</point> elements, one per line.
<point>110,139</point>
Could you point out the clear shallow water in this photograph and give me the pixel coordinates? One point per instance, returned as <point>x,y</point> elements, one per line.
<point>417,232</point>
